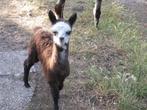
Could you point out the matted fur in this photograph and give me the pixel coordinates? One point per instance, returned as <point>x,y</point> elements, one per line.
<point>49,55</point>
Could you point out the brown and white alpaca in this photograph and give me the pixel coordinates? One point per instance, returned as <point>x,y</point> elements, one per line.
<point>51,49</point>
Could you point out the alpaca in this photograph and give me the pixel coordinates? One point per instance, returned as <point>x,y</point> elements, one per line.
<point>51,49</point>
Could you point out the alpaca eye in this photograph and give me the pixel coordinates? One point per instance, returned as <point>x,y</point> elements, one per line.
<point>68,32</point>
<point>55,32</point>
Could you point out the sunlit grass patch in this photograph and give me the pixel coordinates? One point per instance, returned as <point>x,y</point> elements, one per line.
<point>127,81</point>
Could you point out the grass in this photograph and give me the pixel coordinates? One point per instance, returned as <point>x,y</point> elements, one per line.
<point>128,79</point>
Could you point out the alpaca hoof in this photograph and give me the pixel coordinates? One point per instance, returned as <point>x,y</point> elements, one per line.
<point>27,85</point>
<point>96,24</point>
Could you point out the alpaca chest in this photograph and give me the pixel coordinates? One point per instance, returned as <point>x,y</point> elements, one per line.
<point>63,56</point>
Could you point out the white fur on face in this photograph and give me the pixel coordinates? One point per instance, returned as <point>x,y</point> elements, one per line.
<point>61,29</point>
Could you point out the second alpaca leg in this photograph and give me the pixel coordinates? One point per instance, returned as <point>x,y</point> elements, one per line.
<point>61,83</point>
<point>97,11</point>
<point>55,94</point>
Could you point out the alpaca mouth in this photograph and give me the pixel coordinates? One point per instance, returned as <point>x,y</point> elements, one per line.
<point>61,45</point>
<point>66,44</point>
<point>59,48</point>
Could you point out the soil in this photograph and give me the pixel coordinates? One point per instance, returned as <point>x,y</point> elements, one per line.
<point>139,7</point>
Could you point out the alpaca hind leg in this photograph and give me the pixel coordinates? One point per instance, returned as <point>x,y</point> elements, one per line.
<point>28,63</point>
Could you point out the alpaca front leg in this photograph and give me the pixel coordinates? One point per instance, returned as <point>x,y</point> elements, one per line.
<point>61,86</point>
<point>26,73</point>
<point>55,94</point>
<point>28,63</point>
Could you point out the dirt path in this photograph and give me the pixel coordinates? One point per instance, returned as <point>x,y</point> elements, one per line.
<point>139,7</point>
<point>16,24</point>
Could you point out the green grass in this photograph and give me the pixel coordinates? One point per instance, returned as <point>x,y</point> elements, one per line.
<point>128,80</point>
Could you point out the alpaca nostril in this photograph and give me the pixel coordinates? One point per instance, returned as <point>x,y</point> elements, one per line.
<point>62,38</point>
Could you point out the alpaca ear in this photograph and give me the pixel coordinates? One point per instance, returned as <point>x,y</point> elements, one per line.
<point>52,17</point>
<point>72,19</point>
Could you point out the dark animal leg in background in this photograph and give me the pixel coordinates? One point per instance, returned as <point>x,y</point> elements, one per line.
<point>97,11</point>
<point>59,7</point>
<point>28,63</point>
<point>55,94</point>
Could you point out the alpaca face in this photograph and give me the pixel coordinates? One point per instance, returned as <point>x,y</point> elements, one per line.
<point>61,31</point>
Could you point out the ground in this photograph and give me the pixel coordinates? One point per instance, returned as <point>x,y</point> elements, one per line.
<point>139,7</point>
<point>17,19</point>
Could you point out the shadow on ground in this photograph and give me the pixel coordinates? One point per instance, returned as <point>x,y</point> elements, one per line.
<point>12,36</point>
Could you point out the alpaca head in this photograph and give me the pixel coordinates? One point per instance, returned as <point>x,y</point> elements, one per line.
<point>61,29</point>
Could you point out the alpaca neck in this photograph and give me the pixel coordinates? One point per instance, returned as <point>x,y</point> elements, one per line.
<point>55,53</point>
<point>59,56</point>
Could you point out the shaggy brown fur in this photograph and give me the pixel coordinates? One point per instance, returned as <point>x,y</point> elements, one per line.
<point>43,49</point>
